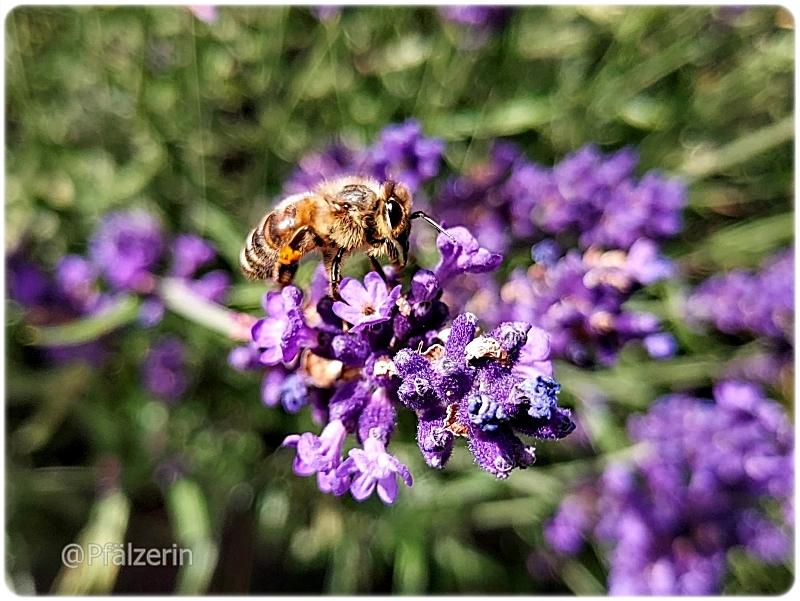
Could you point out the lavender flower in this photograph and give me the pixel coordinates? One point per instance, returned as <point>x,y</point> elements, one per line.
<point>189,253</point>
<point>465,256</point>
<point>367,304</point>
<point>469,388</point>
<point>46,300</point>
<point>580,301</point>
<point>281,335</point>
<point>126,248</point>
<point>403,154</point>
<point>373,468</point>
<point>337,160</point>
<point>596,197</point>
<point>76,278</point>
<point>761,303</point>
<point>694,493</point>
<point>163,370</point>
<point>321,453</point>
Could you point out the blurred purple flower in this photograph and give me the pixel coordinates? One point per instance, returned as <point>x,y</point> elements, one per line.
<point>660,345</point>
<point>403,154</point>
<point>739,301</point>
<point>76,278</point>
<point>151,311</point>
<point>282,334</point>
<point>337,160</point>
<point>696,491</point>
<point>597,198</point>
<point>485,16</point>
<point>125,249</point>
<point>212,286</point>
<point>163,370</point>
<point>189,253</point>
<point>366,304</point>
<point>208,13</point>
<point>580,300</point>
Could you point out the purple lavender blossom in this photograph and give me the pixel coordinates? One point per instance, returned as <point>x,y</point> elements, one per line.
<point>580,300</point>
<point>126,248</point>
<point>318,454</point>
<point>190,253</point>
<point>26,283</point>
<point>373,468</point>
<point>76,278</point>
<point>463,256</point>
<point>695,492</point>
<point>489,199</point>
<point>212,286</point>
<point>596,196</point>
<point>660,345</point>
<point>469,388</point>
<point>151,311</point>
<point>761,303</point>
<point>403,154</point>
<point>281,335</point>
<point>163,370</point>
<point>70,295</point>
<point>337,160</point>
<point>367,304</point>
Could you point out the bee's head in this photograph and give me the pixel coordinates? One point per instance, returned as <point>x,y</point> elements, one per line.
<point>394,219</point>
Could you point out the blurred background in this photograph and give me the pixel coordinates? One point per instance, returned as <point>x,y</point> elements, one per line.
<point>199,116</point>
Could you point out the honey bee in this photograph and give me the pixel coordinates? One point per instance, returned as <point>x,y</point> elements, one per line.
<point>340,216</point>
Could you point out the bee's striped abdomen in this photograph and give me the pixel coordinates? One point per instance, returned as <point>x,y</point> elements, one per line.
<point>258,258</point>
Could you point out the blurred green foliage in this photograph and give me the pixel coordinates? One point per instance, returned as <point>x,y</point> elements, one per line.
<point>110,107</point>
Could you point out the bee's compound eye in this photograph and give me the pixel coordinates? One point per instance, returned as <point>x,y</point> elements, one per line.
<point>394,214</point>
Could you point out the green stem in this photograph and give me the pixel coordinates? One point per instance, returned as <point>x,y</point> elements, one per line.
<point>121,312</point>
<point>180,299</point>
<point>707,163</point>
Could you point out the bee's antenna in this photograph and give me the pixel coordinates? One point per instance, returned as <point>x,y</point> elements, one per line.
<point>439,228</point>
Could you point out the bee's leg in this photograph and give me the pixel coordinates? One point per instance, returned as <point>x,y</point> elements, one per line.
<point>289,256</point>
<point>379,268</point>
<point>334,269</point>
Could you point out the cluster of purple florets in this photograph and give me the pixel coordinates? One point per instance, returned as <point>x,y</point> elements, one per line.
<point>401,153</point>
<point>704,482</point>
<point>128,253</point>
<point>590,201</point>
<point>760,303</point>
<point>356,365</point>
<point>746,304</point>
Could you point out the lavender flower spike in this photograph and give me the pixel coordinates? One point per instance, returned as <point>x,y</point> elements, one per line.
<point>367,304</point>
<point>373,468</point>
<point>284,332</point>
<point>465,256</point>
